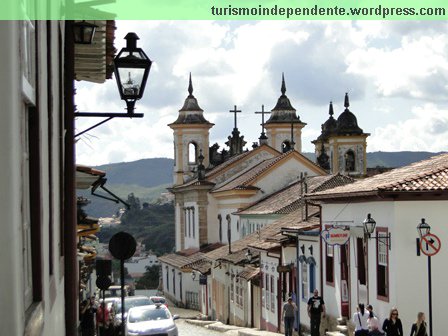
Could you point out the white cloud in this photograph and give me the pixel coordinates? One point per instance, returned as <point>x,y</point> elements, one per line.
<point>241,63</point>
<point>426,130</point>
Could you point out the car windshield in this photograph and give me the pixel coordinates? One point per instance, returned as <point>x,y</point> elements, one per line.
<point>133,302</point>
<point>148,315</point>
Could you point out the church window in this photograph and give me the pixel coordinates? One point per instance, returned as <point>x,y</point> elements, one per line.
<point>192,220</point>
<point>192,153</point>
<point>220,227</point>
<point>229,228</point>
<point>349,161</point>
<point>286,146</point>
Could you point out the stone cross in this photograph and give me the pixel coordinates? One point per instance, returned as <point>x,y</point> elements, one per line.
<point>235,111</point>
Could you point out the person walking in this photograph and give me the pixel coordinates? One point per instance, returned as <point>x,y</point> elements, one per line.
<point>288,316</point>
<point>372,322</point>
<point>87,315</point>
<point>360,319</point>
<point>392,326</point>
<point>419,328</point>
<point>316,310</point>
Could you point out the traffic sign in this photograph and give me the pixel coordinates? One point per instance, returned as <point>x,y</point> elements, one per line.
<point>430,244</point>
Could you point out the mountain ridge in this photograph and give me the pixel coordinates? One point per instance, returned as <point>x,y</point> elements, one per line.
<point>149,178</point>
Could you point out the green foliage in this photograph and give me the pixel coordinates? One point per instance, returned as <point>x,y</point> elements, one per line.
<point>153,224</point>
<point>149,280</point>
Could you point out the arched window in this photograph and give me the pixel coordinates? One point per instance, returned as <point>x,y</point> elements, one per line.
<point>192,153</point>
<point>349,161</point>
<point>286,146</point>
<point>220,227</point>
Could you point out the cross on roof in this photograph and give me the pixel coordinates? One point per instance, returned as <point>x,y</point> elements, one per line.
<point>235,111</point>
<point>262,112</point>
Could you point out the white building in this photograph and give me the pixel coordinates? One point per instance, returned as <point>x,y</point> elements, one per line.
<point>39,279</point>
<point>386,272</point>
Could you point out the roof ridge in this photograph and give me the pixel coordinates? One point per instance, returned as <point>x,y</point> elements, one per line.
<point>417,175</point>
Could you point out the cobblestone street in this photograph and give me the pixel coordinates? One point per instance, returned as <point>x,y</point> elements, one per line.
<point>188,325</point>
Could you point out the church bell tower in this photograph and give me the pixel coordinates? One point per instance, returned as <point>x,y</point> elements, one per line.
<point>191,137</point>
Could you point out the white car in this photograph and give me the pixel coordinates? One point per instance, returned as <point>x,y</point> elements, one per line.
<point>151,320</point>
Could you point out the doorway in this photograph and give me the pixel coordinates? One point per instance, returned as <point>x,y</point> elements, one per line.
<point>345,280</point>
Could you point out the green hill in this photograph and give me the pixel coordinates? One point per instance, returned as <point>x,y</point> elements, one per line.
<point>147,179</point>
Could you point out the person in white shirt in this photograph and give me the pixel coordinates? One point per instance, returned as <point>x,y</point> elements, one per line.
<point>360,319</point>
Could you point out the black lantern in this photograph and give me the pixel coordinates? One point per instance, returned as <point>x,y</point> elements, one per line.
<point>83,32</point>
<point>131,71</point>
<point>423,228</point>
<point>369,225</point>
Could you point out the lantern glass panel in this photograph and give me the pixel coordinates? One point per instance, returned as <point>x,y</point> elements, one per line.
<point>131,81</point>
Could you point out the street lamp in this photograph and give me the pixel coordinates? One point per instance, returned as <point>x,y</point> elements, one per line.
<point>131,68</point>
<point>83,32</point>
<point>369,225</point>
<point>424,229</point>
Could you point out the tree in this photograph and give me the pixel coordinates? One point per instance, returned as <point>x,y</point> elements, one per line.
<point>150,279</point>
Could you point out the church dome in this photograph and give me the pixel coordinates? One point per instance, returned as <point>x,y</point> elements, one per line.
<point>347,122</point>
<point>283,112</point>
<point>191,113</point>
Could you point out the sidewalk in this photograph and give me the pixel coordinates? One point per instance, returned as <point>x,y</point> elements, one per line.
<point>231,329</point>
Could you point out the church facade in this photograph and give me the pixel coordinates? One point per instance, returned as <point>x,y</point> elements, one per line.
<point>211,186</point>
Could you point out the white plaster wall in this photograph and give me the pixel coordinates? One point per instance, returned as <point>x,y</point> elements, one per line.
<point>270,267</point>
<point>408,276</point>
<point>10,180</point>
<point>251,223</point>
<point>212,220</point>
<point>11,248</point>
<point>284,174</point>
<point>353,215</point>
<point>411,271</point>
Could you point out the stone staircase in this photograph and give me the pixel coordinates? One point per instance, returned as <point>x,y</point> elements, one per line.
<point>341,328</point>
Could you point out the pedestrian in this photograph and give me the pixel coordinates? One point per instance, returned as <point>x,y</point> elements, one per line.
<point>360,319</point>
<point>375,331</point>
<point>288,316</point>
<point>392,326</point>
<point>419,328</point>
<point>316,310</point>
<point>103,319</point>
<point>87,315</point>
<point>372,322</point>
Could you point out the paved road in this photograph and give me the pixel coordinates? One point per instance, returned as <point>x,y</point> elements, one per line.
<point>187,329</point>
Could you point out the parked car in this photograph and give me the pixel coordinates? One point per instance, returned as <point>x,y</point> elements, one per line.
<point>130,302</point>
<point>115,291</point>
<point>151,320</point>
<point>159,299</point>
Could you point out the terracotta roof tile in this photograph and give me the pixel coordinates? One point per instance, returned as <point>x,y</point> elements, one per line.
<point>288,199</point>
<point>249,273</point>
<point>256,240</point>
<point>426,175</point>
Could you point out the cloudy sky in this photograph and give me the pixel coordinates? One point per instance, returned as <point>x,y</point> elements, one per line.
<point>396,74</point>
